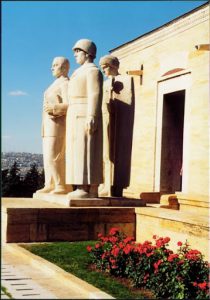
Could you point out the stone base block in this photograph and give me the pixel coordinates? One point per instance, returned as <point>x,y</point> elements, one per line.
<point>178,225</point>
<point>169,201</point>
<point>193,203</point>
<point>90,202</point>
<point>30,220</point>
<point>150,197</point>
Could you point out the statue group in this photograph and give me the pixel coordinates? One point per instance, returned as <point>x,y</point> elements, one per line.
<point>87,126</point>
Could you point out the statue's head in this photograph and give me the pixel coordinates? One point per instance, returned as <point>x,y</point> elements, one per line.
<point>60,66</point>
<point>109,65</point>
<point>87,46</point>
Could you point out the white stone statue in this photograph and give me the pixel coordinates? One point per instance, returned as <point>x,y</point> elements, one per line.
<point>84,124</point>
<point>118,115</point>
<point>54,128</point>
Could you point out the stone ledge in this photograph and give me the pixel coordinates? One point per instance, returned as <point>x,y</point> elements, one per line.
<point>179,216</point>
<point>89,202</point>
<point>178,225</point>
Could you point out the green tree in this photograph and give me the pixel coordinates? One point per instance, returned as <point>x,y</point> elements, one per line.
<point>11,182</point>
<point>41,179</point>
<point>4,181</point>
<point>32,181</point>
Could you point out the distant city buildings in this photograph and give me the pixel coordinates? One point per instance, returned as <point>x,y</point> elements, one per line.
<point>23,159</point>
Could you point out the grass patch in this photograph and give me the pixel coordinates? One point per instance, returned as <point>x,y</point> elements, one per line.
<point>74,258</point>
<point>4,290</point>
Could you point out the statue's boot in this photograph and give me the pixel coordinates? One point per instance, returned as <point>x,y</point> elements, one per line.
<point>93,191</point>
<point>104,191</point>
<point>59,189</point>
<point>46,189</point>
<point>80,192</point>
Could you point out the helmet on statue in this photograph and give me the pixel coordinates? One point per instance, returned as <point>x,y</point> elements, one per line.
<point>87,46</point>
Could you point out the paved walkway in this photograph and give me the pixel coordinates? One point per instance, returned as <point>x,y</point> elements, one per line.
<point>21,286</point>
<point>27,276</point>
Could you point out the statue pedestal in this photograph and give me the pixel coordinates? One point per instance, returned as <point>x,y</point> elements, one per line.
<point>27,220</point>
<point>89,202</point>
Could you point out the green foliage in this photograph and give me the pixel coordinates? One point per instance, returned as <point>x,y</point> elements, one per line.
<point>11,182</point>
<point>4,180</point>
<point>32,181</point>
<point>14,186</point>
<point>169,275</point>
<point>4,290</point>
<point>73,258</point>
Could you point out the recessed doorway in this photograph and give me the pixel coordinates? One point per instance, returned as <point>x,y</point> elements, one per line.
<point>172,142</point>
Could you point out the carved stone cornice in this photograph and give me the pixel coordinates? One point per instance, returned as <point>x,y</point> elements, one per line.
<point>166,31</point>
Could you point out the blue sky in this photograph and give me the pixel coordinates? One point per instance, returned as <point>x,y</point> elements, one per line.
<point>34,32</point>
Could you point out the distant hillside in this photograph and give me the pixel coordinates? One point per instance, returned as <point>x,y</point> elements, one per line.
<point>24,160</point>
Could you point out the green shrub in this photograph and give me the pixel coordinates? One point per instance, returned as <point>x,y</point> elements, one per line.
<point>151,265</point>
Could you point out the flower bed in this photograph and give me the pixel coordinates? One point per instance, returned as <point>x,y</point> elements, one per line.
<point>152,265</point>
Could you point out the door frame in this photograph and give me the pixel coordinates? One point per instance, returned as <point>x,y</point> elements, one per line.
<point>165,86</point>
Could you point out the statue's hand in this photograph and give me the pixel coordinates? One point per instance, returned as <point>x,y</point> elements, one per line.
<point>91,124</point>
<point>48,108</point>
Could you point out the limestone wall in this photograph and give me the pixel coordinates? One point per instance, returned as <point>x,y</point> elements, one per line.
<point>161,51</point>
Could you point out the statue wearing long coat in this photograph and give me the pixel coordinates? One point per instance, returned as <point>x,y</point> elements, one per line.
<point>84,150</point>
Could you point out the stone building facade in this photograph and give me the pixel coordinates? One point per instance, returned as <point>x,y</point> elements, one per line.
<point>170,151</point>
<point>170,148</point>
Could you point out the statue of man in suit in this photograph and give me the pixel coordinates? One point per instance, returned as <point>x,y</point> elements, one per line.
<point>54,128</point>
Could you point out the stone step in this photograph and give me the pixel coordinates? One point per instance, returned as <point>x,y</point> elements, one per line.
<point>178,225</point>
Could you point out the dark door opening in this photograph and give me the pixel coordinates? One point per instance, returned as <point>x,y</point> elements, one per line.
<point>172,142</point>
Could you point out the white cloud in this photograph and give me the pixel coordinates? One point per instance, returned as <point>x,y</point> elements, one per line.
<point>17,93</point>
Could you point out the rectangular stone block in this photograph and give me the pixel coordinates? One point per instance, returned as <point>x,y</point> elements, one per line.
<point>38,232</point>
<point>69,232</point>
<point>22,215</point>
<point>18,233</point>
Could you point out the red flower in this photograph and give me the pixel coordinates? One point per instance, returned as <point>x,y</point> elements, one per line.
<point>127,249</point>
<point>166,240</point>
<point>89,248</point>
<point>112,261</point>
<point>156,265</point>
<point>159,243</point>
<point>97,246</point>
<point>115,251</point>
<point>100,235</point>
<point>114,267</point>
<point>172,257</point>
<point>149,254</point>
<point>105,239</point>
<point>195,284</point>
<point>113,239</point>
<point>128,239</point>
<point>193,254</point>
<point>202,285</point>
<point>179,244</point>
<point>103,255</point>
<point>146,277</point>
<point>121,245</point>
<point>114,230</point>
